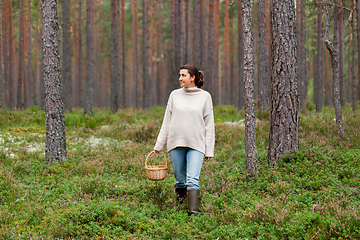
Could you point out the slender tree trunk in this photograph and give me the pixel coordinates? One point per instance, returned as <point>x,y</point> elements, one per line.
<point>216,85</point>
<point>203,37</point>
<point>303,82</point>
<point>328,100</point>
<point>210,44</point>
<point>263,58</point>
<point>30,89</point>
<point>146,64</point>
<point>226,85</point>
<point>159,55</point>
<point>55,149</point>
<point>358,44</point>
<point>2,75</point>
<point>352,86</point>
<point>188,50</point>
<point>341,55</point>
<point>250,146</point>
<point>196,33</point>
<point>66,55</point>
<point>123,60</point>
<point>79,64</point>
<point>90,60</point>
<point>335,67</point>
<point>114,55</point>
<point>20,83</point>
<point>40,88</point>
<point>240,61</point>
<point>284,116</point>
<point>318,70</point>
<point>136,83</point>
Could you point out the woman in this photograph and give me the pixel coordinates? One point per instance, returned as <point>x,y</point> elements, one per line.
<point>188,130</point>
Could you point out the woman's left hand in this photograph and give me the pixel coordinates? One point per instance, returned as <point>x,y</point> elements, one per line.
<point>207,159</point>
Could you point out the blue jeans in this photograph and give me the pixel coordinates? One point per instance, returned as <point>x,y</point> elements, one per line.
<point>187,164</point>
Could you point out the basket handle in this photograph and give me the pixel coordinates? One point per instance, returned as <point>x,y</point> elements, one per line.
<point>152,152</point>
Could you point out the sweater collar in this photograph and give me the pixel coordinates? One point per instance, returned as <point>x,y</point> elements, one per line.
<point>192,89</point>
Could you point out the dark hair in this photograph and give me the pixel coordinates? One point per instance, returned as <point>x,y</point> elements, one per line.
<point>199,75</point>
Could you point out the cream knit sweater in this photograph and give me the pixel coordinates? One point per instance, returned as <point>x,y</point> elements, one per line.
<point>188,122</point>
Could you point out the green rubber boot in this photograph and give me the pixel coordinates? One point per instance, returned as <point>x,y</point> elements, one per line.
<point>194,201</point>
<point>180,194</point>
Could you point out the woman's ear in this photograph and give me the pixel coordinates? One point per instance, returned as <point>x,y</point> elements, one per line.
<point>192,78</point>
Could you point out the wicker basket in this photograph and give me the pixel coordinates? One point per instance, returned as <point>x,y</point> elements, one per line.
<point>156,172</point>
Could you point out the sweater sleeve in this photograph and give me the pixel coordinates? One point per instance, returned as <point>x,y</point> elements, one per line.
<point>209,130</point>
<point>164,131</point>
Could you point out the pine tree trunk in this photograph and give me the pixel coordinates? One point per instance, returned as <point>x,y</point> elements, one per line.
<point>123,60</point>
<point>264,78</point>
<point>335,67</point>
<point>114,55</point>
<point>30,89</point>
<point>135,94</point>
<point>358,43</point>
<point>318,69</point>
<point>216,85</point>
<point>90,60</point>
<point>284,116</point>
<point>226,84</point>
<point>203,36</point>
<point>159,56</point>
<point>188,50</point>
<point>2,75</point>
<point>328,101</point>
<point>250,146</point>
<point>303,82</point>
<point>146,64</point>
<point>210,50</point>
<point>66,55</point>
<point>341,55</point>
<point>20,83</point>
<point>196,33</point>
<point>352,86</point>
<point>240,61</point>
<point>79,75</point>
<point>55,150</point>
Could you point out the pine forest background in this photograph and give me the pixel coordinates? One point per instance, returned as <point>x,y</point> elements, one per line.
<point>151,45</point>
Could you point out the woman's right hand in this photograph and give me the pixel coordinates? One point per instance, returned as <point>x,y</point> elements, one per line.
<point>157,152</point>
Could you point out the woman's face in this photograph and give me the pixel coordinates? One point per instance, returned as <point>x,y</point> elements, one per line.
<point>185,80</point>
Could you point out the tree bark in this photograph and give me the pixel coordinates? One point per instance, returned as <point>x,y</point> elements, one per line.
<point>159,63</point>
<point>341,54</point>
<point>114,55</point>
<point>2,75</point>
<point>135,92</point>
<point>353,64</point>
<point>335,67</point>
<point>55,150</point>
<point>20,84</point>
<point>146,64</point>
<point>358,43</point>
<point>318,70</point>
<point>90,60</point>
<point>79,64</point>
<point>250,145</point>
<point>328,100</point>
<point>188,50</point>
<point>123,60</point>
<point>284,116</point>
<point>303,82</point>
<point>196,33</point>
<point>240,61</point>
<point>66,55</point>
<point>216,84</point>
<point>30,89</point>
<point>226,82</point>
<point>210,48</point>
<point>264,78</point>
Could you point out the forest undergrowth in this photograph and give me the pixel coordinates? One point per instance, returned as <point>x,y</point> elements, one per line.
<point>102,192</point>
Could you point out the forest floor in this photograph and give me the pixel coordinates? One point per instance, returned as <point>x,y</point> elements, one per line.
<point>102,192</point>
